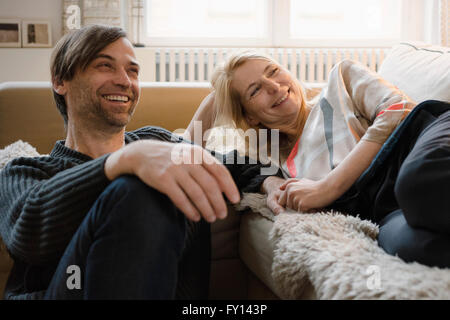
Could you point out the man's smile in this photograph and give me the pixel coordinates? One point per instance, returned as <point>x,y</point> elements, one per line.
<point>116,98</point>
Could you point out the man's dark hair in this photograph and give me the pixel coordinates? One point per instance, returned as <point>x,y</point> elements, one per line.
<point>75,51</point>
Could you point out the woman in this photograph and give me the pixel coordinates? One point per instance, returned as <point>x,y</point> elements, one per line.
<point>327,150</point>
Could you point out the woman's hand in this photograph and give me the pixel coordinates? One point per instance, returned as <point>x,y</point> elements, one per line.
<point>271,186</point>
<point>306,195</point>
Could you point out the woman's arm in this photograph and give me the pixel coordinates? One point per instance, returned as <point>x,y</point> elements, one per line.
<point>304,194</point>
<point>371,98</point>
<point>203,120</point>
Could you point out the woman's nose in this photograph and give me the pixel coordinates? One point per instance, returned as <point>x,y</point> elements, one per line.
<point>272,86</point>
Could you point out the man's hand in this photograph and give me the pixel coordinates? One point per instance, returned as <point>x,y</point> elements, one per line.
<point>271,186</point>
<point>195,189</point>
<point>306,195</point>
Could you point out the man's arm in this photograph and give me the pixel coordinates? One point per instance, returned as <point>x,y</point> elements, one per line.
<point>249,178</point>
<point>195,186</point>
<point>42,203</point>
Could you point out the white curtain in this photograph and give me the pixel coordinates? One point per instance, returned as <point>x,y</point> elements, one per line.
<point>445,22</point>
<point>421,21</point>
<point>135,20</point>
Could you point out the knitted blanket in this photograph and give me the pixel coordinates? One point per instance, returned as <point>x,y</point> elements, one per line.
<point>340,256</point>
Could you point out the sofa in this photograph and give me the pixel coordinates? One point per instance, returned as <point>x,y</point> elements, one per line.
<point>242,250</point>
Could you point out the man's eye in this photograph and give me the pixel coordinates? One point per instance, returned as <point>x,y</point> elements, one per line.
<point>105,64</point>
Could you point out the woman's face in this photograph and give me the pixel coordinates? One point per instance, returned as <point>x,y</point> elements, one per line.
<point>268,93</point>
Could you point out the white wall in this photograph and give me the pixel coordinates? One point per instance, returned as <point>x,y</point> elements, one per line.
<point>50,10</point>
<point>29,63</point>
<point>33,64</point>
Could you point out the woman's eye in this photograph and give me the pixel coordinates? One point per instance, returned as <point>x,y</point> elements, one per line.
<point>273,71</point>
<point>254,92</point>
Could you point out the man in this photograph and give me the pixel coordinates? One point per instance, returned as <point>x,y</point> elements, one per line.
<point>110,206</point>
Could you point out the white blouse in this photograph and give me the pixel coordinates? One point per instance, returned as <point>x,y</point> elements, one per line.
<point>356,104</point>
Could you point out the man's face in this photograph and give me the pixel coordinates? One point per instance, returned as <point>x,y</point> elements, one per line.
<point>105,94</point>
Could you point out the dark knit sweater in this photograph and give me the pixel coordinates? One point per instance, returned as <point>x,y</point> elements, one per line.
<point>43,200</point>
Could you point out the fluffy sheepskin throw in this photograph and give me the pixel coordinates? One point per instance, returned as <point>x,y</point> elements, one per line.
<point>340,256</point>
<point>15,150</point>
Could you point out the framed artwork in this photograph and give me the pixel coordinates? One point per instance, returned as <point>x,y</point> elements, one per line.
<point>36,34</point>
<point>10,33</point>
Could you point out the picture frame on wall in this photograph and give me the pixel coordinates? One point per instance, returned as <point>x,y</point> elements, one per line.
<point>10,33</point>
<point>37,34</point>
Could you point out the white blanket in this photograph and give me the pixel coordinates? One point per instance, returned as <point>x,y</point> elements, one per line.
<point>340,256</point>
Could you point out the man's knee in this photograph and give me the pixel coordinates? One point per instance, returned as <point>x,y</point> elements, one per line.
<point>129,187</point>
<point>134,194</point>
<point>140,209</point>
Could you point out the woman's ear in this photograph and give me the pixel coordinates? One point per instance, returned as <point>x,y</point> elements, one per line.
<point>59,86</point>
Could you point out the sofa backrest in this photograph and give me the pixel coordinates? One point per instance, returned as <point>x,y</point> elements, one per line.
<point>28,111</point>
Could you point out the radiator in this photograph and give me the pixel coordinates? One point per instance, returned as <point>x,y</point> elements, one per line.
<point>306,64</point>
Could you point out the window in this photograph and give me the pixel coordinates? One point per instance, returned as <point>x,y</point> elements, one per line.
<point>344,21</point>
<point>283,23</point>
<point>199,22</point>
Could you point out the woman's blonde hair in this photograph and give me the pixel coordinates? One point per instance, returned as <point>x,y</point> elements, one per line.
<point>227,101</point>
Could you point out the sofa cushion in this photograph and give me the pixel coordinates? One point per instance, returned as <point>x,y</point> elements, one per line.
<point>421,71</point>
<point>256,249</point>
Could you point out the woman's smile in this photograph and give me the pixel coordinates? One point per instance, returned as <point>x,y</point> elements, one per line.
<point>282,100</point>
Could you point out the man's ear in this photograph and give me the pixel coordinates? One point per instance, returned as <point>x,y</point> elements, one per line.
<point>59,86</point>
<point>252,121</point>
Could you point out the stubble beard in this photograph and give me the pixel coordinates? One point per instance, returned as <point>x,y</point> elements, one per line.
<point>99,116</point>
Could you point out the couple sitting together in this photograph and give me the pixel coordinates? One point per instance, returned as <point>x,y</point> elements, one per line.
<point>137,225</point>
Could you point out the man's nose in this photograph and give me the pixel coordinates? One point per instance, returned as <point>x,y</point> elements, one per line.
<point>122,79</point>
